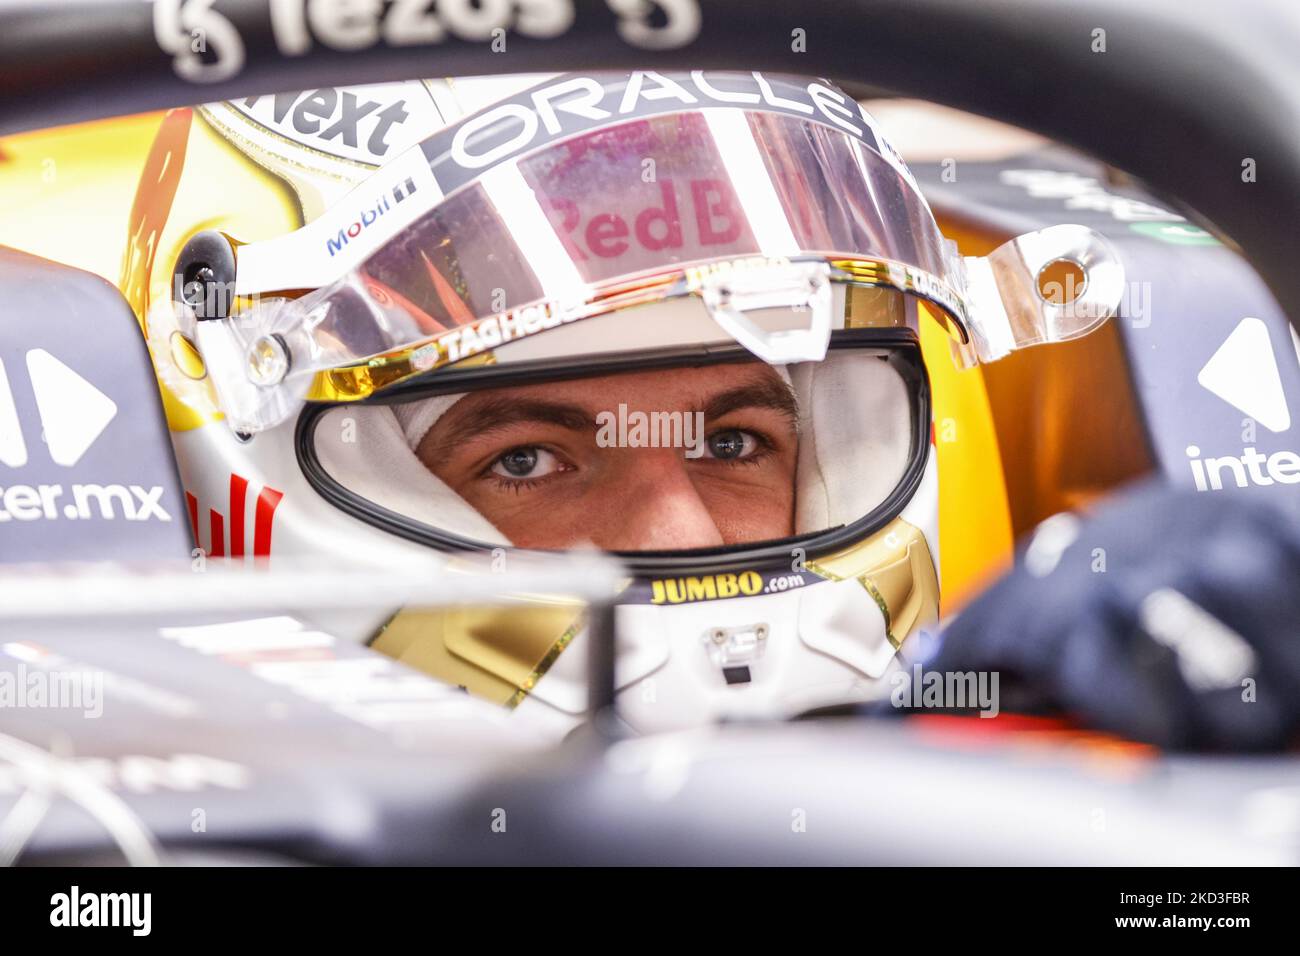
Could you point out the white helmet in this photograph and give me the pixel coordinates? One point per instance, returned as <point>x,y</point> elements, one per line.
<point>672,316</point>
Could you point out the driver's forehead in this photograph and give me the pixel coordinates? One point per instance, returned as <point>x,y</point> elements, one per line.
<point>659,390</point>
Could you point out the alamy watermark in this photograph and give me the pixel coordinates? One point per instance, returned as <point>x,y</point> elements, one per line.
<point>636,429</point>
<point>48,689</point>
<point>946,690</point>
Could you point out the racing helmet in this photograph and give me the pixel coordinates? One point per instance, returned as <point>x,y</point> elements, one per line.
<point>671,316</point>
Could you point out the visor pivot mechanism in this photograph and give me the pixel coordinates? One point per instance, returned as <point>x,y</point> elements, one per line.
<point>780,312</point>
<point>204,277</point>
<point>1009,310</point>
<point>268,360</point>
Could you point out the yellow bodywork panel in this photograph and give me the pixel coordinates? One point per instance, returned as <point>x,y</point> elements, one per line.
<point>1066,422</point>
<point>975,535</point>
<point>120,198</point>
<point>67,192</point>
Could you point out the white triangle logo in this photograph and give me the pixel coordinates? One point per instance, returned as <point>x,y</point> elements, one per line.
<point>13,451</point>
<point>1244,373</point>
<point>73,412</point>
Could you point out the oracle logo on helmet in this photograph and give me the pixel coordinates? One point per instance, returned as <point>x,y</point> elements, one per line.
<point>578,103</point>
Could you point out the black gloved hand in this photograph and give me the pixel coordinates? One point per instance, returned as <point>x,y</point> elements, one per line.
<point>1170,617</point>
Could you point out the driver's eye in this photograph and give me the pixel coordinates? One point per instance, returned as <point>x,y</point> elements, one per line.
<point>527,461</point>
<point>731,444</point>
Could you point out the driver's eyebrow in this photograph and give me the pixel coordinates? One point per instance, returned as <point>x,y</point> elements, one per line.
<point>771,393</point>
<point>494,414</point>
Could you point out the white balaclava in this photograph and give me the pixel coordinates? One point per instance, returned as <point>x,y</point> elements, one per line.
<point>416,418</point>
<point>376,459</point>
<point>855,437</point>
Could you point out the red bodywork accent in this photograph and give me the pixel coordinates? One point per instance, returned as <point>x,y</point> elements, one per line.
<point>268,499</point>
<point>267,502</point>
<point>238,493</point>
<point>218,524</point>
<point>1042,734</point>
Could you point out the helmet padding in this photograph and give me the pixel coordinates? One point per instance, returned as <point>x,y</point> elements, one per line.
<point>855,437</point>
<point>374,459</point>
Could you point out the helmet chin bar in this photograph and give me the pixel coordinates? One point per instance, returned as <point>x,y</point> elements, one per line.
<point>896,568</point>
<point>520,656</point>
<point>1007,309</point>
